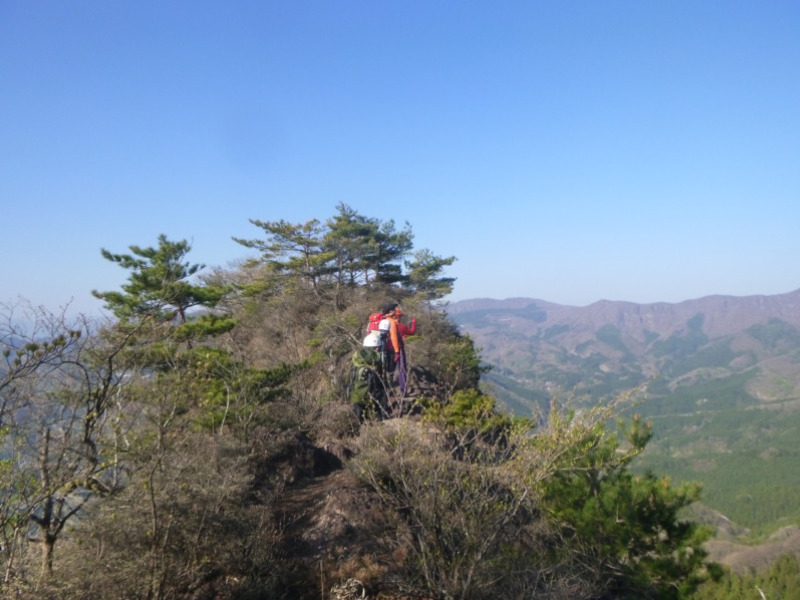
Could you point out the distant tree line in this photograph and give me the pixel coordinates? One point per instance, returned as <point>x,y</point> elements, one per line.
<point>779,581</point>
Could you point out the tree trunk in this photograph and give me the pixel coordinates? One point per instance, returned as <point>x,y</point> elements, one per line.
<point>48,543</point>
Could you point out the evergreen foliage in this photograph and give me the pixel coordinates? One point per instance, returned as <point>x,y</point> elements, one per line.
<point>780,581</point>
<point>626,527</point>
<point>158,285</point>
<point>424,275</point>
<point>292,251</point>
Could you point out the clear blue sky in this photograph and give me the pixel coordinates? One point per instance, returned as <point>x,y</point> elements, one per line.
<point>567,151</point>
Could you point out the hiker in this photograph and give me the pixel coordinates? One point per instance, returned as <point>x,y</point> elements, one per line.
<point>375,336</point>
<point>394,347</point>
<point>373,340</point>
<point>403,329</point>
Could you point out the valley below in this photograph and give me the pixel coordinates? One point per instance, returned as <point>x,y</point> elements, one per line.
<point>718,377</point>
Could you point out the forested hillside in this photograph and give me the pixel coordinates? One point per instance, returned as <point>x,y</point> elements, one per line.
<point>722,377</point>
<point>210,441</point>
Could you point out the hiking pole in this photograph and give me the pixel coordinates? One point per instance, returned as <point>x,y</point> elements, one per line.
<point>383,406</point>
<point>406,367</point>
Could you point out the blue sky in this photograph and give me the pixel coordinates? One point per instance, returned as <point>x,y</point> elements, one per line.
<point>566,151</point>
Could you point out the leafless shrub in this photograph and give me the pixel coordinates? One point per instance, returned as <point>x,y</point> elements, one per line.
<point>465,530</point>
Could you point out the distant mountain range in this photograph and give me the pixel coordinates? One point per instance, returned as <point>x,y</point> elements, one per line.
<point>722,377</point>
<point>608,347</point>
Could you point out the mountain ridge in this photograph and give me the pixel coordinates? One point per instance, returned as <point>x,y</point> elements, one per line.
<point>786,305</point>
<point>544,344</point>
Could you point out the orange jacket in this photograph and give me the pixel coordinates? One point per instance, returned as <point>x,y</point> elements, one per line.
<point>394,334</point>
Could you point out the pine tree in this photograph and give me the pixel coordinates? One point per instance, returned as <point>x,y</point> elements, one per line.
<point>293,251</point>
<point>626,529</point>
<point>158,284</point>
<point>425,275</point>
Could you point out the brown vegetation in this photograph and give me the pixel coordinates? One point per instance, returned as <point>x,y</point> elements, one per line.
<point>215,455</point>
